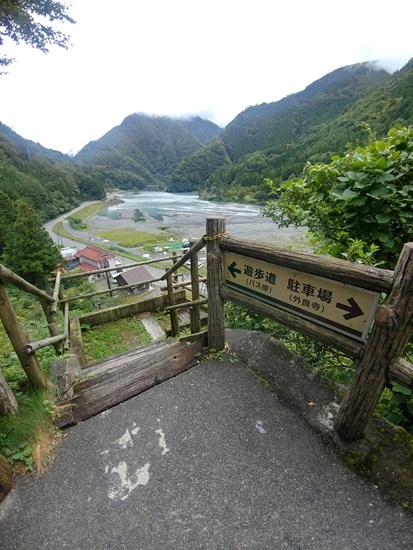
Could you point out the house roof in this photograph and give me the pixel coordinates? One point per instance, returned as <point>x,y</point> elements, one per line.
<point>135,275</point>
<point>84,266</point>
<point>93,254</point>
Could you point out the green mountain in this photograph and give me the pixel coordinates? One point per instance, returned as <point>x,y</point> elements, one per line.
<point>310,126</point>
<point>202,129</point>
<point>143,150</point>
<point>48,180</point>
<point>272,140</point>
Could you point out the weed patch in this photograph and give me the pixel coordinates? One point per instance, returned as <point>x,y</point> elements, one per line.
<point>109,339</point>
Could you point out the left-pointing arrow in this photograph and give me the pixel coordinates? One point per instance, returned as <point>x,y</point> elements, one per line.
<point>233,269</point>
<point>353,309</point>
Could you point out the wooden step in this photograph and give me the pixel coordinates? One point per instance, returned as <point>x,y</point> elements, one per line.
<point>152,327</point>
<point>123,376</point>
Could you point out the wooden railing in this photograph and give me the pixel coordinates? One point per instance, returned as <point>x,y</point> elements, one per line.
<point>377,353</point>
<point>378,356</point>
<point>20,339</point>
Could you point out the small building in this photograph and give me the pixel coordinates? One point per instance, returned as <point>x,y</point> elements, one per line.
<point>69,255</point>
<point>136,275</point>
<point>91,258</point>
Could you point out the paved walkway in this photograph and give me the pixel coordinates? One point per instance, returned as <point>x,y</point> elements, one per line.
<point>183,466</point>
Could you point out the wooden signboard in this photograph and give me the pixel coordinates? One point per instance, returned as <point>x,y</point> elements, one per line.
<point>343,308</point>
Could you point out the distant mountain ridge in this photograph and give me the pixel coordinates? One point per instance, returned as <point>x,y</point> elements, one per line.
<point>285,121</point>
<point>144,150</point>
<point>271,140</point>
<point>48,180</point>
<point>309,133</point>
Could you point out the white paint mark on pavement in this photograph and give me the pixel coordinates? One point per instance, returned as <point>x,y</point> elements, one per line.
<point>126,440</point>
<point>135,429</point>
<point>124,484</point>
<point>162,443</point>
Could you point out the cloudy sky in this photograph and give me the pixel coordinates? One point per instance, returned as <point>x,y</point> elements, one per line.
<point>181,57</point>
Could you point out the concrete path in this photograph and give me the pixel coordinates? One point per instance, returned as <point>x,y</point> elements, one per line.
<point>183,466</point>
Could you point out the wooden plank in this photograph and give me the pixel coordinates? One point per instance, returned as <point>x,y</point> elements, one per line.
<point>118,367</point>
<point>184,317</point>
<point>129,378</point>
<point>152,327</point>
<point>98,367</point>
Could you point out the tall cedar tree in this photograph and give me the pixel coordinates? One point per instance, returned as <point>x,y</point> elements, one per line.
<point>29,251</point>
<point>7,217</point>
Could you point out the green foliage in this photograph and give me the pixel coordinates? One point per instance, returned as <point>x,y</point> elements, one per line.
<point>24,21</point>
<point>108,339</point>
<point>396,405</point>
<point>361,202</point>
<point>48,180</point>
<point>19,432</point>
<point>76,222</point>
<point>29,251</point>
<point>141,152</point>
<point>7,217</point>
<point>194,170</point>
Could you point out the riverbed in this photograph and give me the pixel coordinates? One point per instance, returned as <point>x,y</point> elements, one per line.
<point>185,216</point>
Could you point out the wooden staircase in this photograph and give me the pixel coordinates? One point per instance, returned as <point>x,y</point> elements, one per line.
<point>106,383</point>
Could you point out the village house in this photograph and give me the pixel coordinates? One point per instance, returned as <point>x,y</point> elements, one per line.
<point>136,275</point>
<point>69,256</point>
<point>91,258</point>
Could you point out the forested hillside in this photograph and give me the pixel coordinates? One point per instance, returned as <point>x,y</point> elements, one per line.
<point>47,180</point>
<point>144,150</point>
<point>272,140</point>
<point>309,134</point>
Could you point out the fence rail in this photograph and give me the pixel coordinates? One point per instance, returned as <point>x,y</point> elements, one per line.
<point>378,359</point>
<point>378,356</point>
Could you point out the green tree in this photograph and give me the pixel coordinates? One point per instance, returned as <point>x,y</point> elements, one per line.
<point>360,205</point>
<point>26,21</point>
<point>7,217</point>
<point>29,251</point>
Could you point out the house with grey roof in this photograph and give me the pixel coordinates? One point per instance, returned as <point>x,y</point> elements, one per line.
<point>139,276</point>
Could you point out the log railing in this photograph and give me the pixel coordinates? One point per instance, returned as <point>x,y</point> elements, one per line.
<point>378,359</point>
<point>20,340</point>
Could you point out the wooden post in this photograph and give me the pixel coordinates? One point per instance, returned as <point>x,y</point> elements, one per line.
<point>392,329</point>
<point>66,326</point>
<point>8,403</point>
<point>51,324</point>
<point>6,477</point>
<point>195,311</point>
<point>19,339</point>
<point>175,329</point>
<point>215,228</point>
<point>56,292</point>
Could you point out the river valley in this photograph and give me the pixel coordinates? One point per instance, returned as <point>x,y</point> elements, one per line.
<point>185,215</point>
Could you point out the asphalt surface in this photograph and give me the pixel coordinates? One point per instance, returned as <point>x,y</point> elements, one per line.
<point>182,466</point>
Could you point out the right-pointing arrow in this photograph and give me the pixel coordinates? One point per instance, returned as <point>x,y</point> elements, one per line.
<point>353,309</point>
